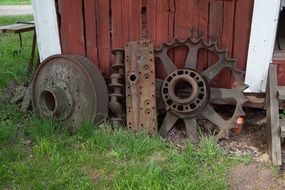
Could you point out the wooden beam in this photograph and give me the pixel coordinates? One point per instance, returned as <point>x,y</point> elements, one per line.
<point>46,28</point>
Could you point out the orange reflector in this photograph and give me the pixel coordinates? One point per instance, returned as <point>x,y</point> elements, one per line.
<point>240,121</point>
<point>239,125</point>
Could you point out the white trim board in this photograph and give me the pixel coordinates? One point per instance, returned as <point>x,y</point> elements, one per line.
<point>261,45</point>
<point>46,27</point>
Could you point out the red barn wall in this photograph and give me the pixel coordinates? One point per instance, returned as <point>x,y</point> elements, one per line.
<point>93,28</point>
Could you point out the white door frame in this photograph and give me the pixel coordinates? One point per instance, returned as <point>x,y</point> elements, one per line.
<point>261,45</point>
<point>46,27</point>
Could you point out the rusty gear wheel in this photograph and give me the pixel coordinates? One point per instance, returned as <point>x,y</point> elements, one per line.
<point>186,93</point>
<point>70,89</point>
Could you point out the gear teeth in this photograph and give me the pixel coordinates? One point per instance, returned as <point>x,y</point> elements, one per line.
<point>230,63</point>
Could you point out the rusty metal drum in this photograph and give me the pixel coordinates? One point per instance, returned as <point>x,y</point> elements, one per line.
<point>71,90</point>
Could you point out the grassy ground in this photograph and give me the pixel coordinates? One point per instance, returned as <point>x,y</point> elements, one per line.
<point>13,67</point>
<point>15,2</point>
<point>36,154</point>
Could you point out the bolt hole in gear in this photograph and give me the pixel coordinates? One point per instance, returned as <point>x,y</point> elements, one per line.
<point>187,94</point>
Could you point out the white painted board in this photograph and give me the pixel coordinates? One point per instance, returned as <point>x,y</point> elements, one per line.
<point>46,28</point>
<point>261,45</point>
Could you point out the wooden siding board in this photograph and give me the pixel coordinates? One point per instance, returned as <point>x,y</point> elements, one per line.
<point>135,19</point>
<point>151,19</point>
<point>203,10</point>
<point>90,31</point>
<point>103,33</point>
<point>243,16</point>
<point>241,34</point>
<point>216,24</point>
<point>72,27</point>
<point>117,25</point>
<point>224,21</point>
<point>183,27</point>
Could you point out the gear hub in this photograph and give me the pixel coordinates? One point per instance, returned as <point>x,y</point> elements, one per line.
<point>185,92</point>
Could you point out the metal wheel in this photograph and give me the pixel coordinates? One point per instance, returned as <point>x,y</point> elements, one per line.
<point>186,93</point>
<point>70,89</point>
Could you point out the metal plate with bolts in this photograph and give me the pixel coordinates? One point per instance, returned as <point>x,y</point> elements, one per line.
<point>71,90</point>
<point>140,86</point>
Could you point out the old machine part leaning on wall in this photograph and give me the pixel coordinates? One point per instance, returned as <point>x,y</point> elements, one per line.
<point>117,88</point>
<point>71,90</point>
<point>187,94</point>
<point>140,86</point>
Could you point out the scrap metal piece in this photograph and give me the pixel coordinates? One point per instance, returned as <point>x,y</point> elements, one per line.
<point>116,87</point>
<point>15,92</point>
<point>71,90</point>
<point>140,86</point>
<point>186,93</point>
<point>272,116</point>
<point>27,100</point>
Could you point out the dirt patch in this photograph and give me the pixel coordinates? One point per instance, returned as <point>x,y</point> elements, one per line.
<point>252,139</point>
<point>253,176</point>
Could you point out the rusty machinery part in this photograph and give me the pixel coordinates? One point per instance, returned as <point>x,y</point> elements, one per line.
<point>140,86</point>
<point>117,87</point>
<point>186,93</point>
<point>71,90</point>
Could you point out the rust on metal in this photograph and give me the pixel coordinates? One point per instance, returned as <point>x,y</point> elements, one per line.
<point>186,92</point>
<point>71,90</point>
<point>117,87</point>
<point>140,86</point>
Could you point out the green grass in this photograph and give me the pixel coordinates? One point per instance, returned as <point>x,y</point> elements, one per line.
<point>15,2</point>
<point>37,154</point>
<point>14,67</point>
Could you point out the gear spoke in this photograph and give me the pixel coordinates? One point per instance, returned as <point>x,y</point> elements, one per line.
<point>166,61</point>
<point>223,93</point>
<point>191,59</point>
<point>167,124</point>
<point>213,70</point>
<point>191,126</point>
<point>210,114</point>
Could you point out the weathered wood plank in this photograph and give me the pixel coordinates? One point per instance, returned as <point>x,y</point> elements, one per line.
<point>117,24</point>
<point>243,17</point>
<point>90,31</point>
<point>183,27</point>
<point>256,76</point>
<point>163,29</point>
<point>272,115</point>
<point>103,33</point>
<point>203,9</point>
<point>135,19</point>
<point>151,19</point>
<point>216,23</point>
<point>72,27</point>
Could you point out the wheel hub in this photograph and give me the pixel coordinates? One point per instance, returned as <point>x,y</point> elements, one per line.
<point>55,101</point>
<point>185,92</point>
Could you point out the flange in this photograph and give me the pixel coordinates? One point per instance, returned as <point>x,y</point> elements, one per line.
<point>185,92</point>
<point>71,90</point>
